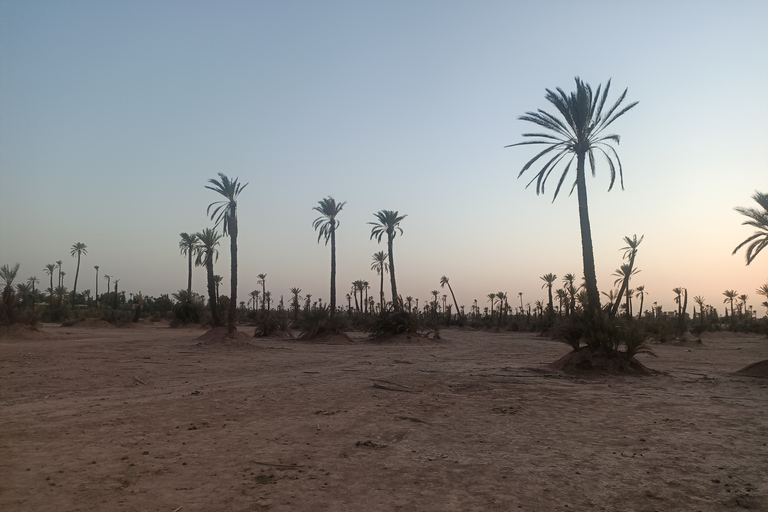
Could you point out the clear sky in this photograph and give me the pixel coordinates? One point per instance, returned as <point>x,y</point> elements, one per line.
<point>113,115</point>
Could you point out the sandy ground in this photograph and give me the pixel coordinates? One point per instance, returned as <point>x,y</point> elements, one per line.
<point>143,419</point>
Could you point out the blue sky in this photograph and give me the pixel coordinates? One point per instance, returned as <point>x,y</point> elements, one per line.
<point>113,115</point>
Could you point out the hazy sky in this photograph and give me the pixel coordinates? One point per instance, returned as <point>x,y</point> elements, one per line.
<point>113,115</point>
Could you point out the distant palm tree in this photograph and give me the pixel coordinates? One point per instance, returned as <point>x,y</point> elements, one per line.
<point>624,273</point>
<point>640,293</point>
<point>491,297</point>
<point>78,250</point>
<point>8,274</point>
<point>326,225</point>
<point>730,295</point>
<point>365,287</point>
<point>204,245</point>
<point>698,299</point>
<point>381,266</point>
<point>571,289</point>
<point>409,301</point>
<point>562,296</point>
<point>630,251</point>
<point>578,135</point>
<point>435,294</point>
<point>443,283</point>
<point>763,290</point>
<point>189,246</point>
<point>388,222</point>
<point>217,280</point>
<point>50,269</point>
<point>116,281</point>
<point>24,292</point>
<point>549,280</point>
<point>295,292</point>
<point>32,281</point>
<point>757,218</point>
<point>96,296</point>
<point>58,264</point>
<point>743,298</point>
<point>225,213</point>
<point>263,282</point>
<point>107,277</point>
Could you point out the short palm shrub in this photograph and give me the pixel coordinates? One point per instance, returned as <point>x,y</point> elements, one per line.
<point>270,323</point>
<point>319,322</point>
<point>392,323</point>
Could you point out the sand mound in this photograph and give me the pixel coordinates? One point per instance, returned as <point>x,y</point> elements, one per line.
<point>759,369</point>
<point>586,362</point>
<point>218,336</point>
<point>22,332</point>
<point>92,323</point>
<point>330,339</point>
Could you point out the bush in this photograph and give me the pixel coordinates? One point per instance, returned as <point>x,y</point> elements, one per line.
<point>319,322</point>
<point>270,323</point>
<point>391,323</point>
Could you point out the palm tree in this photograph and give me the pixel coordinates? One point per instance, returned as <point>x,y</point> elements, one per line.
<point>624,273</point>
<point>630,251</point>
<point>78,250</point>
<point>443,282</point>
<point>96,296</point>
<point>763,290</point>
<point>491,297</point>
<point>204,245</point>
<point>189,246</point>
<point>107,277</point>
<point>743,298</point>
<point>32,281</point>
<point>50,269</point>
<point>579,135</point>
<point>8,274</point>
<point>757,218</point>
<point>116,281</point>
<point>295,292</point>
<point>388,221</point>
<point>640,293</point>
<point>549,280</point>
<point>381,266</point>
<point>58,265</point>
<point>562,296</point>
<point>263,282</point>
<point>225,213</point>
<point>435,294</point>
<point>326,225</point>
<point>365,288</point>
<point>730,295</point>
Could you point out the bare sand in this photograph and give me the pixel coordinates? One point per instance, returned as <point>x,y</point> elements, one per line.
<point>96,418</point>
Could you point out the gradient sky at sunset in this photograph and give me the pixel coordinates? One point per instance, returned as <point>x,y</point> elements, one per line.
<point>113,115</point>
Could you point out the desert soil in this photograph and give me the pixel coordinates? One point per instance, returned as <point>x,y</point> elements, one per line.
<point>148,419</point>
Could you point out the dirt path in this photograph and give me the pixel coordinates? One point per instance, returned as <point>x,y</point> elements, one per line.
<point>96,419</point>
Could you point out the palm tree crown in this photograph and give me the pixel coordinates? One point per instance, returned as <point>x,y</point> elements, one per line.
<point>189,246</point>
<point>579,134</point>
<point>757,218</point>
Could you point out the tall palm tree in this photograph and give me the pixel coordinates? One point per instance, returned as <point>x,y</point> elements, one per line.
<point>96,297</point>
<point>388,222</point>
<point>443,283</point>
<point>578,135</point>
<point>205,246</point>
<point>381,266</point>
<point>32,281</point>
<point>730,295</point>
<point>50,269</point>
<point>763,290</point>
<point>326,225</point>
<point>571,289</point>
<point>225,213</point>
<point>630,251</point>
<point>189,246</point>
<point>757,218</point>
<point>58,265</point>
<point>78,250</point>
<point>263,282</point>
<point>549,280</point>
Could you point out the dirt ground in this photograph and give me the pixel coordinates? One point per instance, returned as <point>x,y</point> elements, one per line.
<point>144,419</point>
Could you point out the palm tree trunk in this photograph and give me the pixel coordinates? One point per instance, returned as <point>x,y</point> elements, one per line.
<point>333,270</point>
<point>381,288</point>
<point>212,302</point>
<point>77,273</point>
<point>233,278</point>
<point>458,311</point>
<point>640,314</point>
<point>588,256</point>
<point>189,275</point>
<point>624,285</point>
<point>395,302</point>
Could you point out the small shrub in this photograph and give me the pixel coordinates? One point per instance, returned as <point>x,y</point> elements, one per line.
<point>319,322</point>
<point>391,323</point>
<point>270,323</point>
